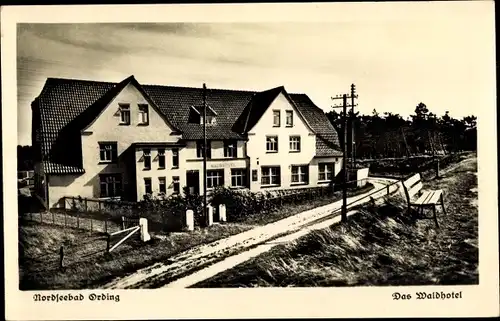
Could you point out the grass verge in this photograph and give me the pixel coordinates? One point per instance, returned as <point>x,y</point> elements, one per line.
<point>381,245</point>
<point>87,265</point>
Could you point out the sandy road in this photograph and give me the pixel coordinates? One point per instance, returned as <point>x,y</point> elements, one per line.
<point>201,262</point>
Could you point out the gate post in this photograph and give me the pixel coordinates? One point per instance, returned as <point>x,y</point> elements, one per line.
<point>222,212</point>
<point>190,220</point>
<point>143,223</point>
<point>210,215</point>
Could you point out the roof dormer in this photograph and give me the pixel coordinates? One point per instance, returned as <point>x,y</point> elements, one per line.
<point>196,115</point>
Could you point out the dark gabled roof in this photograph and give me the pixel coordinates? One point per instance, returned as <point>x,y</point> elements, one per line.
<point>328,144</point>
<point>67,106</point>
<point>57,110</point>
<point>176,103</point>
<point>255,108</point>
<point>53,168</point>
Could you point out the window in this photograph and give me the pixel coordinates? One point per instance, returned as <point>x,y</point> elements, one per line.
<point>270,176</point>
<point>146,155</point>
<point>272,144</point>
<point>276,118</point>
<point>196,115</point>
<point>161,158</point>
<point>215,178</point>
<point>108,152</point>
<point>289,118</point>
<point>295,143</point>
<point>143,114</point>
<point>148,189</point>
<point>110,185</point>
<point>255,174</point>
<point>210,120</point>
<point>325,171</point>
<point>230,149</point>
<point>124,114</point>
<point>238,177</point>
<point>175,158</point>
<point>300,174</point>
<point>177,185</point>
<point>162,185</point>
<point>199,149</point>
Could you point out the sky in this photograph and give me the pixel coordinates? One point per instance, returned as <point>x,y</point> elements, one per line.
<point>441,58</point>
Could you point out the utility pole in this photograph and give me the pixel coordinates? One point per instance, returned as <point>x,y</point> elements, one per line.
<point>353,146</point>
<point>344,161</point>
<point>205,213</point>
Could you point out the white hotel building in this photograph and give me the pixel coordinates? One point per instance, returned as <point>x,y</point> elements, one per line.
<point>107,140</point>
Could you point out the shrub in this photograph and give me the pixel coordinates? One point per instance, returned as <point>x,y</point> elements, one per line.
<point>243,203</point>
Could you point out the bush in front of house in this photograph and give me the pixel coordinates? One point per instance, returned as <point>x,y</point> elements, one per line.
<point>169,212</point>
<point>243,203</point>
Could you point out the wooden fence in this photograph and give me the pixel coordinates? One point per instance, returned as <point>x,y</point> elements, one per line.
<point>73,221</point>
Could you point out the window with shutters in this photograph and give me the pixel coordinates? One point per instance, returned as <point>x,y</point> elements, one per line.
<point>146,155</point>
<point>175,158</point>
<point>161,158</point>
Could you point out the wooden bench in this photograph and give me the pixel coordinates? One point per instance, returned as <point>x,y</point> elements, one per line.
<point>422,199</point>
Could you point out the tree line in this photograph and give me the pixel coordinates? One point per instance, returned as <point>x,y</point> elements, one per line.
<point>390,135</point>
<point>25,158</point>
<point>382,136</point>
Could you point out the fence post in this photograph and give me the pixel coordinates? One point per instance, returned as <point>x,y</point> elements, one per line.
<point>91,225</point>
<point>85,201</point>
<point>210,215</point>
<point>143,223</point>
<point>61,257</point>
<point>222,213</point>
<point>123,222</point>
<point>53,218</point>
<point>190,220</point>
<point>64,202</point>
<point>106,225</point>
<point>108,241</point>
<point>65,220</point>
<point>77,220</point>
<point>387,189</point>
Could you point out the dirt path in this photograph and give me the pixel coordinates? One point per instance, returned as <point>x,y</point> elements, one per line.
<point>188,267</point>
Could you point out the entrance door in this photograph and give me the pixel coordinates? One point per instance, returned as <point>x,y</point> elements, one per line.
<point>193,182</point>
